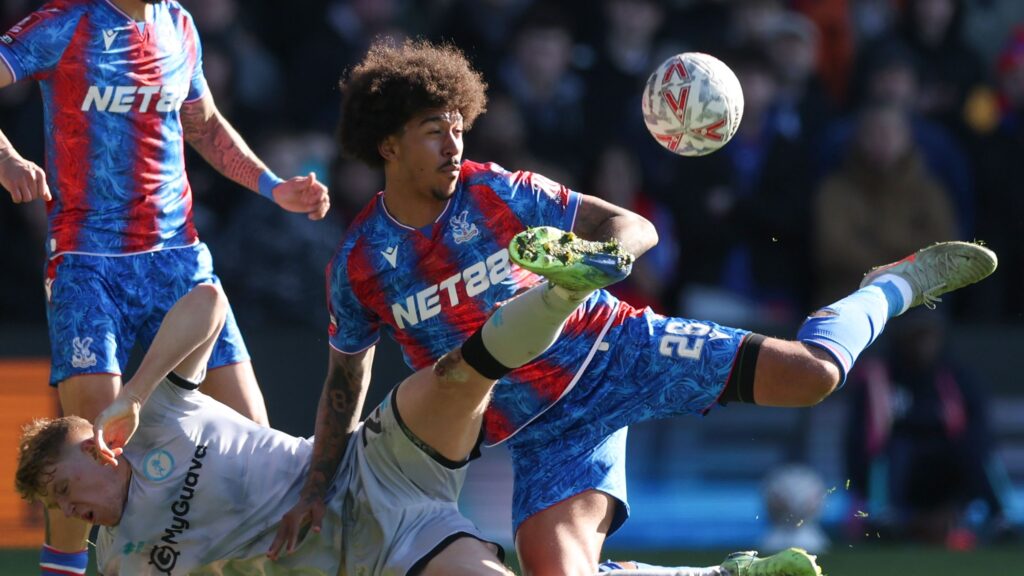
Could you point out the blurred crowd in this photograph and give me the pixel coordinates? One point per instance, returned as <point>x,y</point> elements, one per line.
<point>871,128</point>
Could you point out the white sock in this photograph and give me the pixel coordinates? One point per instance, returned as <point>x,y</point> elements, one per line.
<point>526,326</point>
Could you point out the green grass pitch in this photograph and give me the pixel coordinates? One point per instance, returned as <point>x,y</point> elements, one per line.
<point>860,560</point>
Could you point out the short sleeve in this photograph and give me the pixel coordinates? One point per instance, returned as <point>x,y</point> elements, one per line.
<point>536,199</point>
<point>33,47</point>
<point>353,328</point>
<point>194,46</point>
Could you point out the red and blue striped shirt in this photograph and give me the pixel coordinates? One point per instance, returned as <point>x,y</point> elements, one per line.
<point>112,90</point>
<point>431,288</point>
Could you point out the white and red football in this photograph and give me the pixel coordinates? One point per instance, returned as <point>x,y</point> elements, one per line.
<point>693,104</point>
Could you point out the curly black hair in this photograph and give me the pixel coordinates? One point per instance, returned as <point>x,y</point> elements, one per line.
<point>394,83</point>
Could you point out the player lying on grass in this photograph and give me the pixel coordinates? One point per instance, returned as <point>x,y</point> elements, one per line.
<point>199,489</point>
<point>429,257</point>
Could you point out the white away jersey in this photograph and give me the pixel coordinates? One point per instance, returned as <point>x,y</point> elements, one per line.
<point>208,484</point>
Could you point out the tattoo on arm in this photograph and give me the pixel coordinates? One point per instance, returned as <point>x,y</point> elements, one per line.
<point>341,404</point>
<point>219,144</point>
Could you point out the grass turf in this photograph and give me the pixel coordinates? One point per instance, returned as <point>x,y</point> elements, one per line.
<point>860,560</point>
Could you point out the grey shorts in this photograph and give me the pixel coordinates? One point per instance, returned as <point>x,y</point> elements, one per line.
<point>401,506</point>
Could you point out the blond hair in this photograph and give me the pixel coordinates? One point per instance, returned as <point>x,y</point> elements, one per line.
<point>38,451</point>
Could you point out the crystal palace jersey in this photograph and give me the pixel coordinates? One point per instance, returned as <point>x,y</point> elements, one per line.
<point>430,288</point>
<point>112,90</point>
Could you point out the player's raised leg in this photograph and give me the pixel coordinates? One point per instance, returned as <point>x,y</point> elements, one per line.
<point>802,373</point>
<point>444,406</point>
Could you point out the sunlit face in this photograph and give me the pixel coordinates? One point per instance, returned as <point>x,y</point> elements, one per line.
<point>83,488</point>
<point>428,152</point>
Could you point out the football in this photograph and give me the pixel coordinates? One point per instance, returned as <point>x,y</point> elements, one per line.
<point>692,104</point>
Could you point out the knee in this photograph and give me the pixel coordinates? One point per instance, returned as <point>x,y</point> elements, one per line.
<point>210,297</point>
<point>451,373</point>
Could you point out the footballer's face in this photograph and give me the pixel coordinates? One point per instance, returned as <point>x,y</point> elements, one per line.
<point>81,487</point>
<point>428,152</point>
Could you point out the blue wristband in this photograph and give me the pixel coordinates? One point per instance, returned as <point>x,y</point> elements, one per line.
<point>267,182</point>
<point>52,561</point>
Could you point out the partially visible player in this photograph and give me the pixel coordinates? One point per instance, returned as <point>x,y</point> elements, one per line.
<point>123,90</point>
<point>428,258</point>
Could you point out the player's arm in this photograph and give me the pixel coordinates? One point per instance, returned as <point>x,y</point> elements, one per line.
<point>183,344</point>
<point>597,219</point>
<point>341,403</point>
<point>23,179</point>
<point>206,130</point>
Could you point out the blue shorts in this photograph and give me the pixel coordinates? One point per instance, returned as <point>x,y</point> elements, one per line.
<point>99,307</point>
<point>653,367</point>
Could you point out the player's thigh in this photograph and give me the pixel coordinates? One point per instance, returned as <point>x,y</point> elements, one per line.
<point>466,556</point>
<point>235,385</point>
<point>662,367</point>
<point>566,539</point>
<point>444,407</point>
<point>92,316</point>
<point>88,395</point>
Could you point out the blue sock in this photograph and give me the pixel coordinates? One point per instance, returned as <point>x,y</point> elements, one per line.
<point>55,562</point>
<point>894,296</point>
<point>855,323</point>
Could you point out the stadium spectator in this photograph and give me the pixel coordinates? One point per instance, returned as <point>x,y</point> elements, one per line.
<point>537,74</point>
<point>276,275</point>
<point>988,25</point>
<point>889,74</point>
<point>626,51</point>
<point>802,106</point>
<point>123,90</point>
<point>881,203</point>
<point>919,452</point>
<point>836,39</point>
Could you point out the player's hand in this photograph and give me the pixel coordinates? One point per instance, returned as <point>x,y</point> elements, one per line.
<point>309,509</point>
<point>25,180</point>
<point>115,426</point>
<point>303,194</point>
